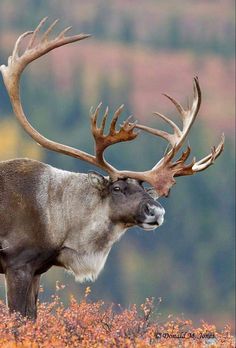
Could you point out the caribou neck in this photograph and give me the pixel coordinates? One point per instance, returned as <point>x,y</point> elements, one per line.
<point>80,214</point>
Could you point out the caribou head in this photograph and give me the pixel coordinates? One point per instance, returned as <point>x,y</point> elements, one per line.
<point>129,203</point>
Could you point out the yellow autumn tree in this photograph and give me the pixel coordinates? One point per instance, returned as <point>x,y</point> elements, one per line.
<point>13,144</point>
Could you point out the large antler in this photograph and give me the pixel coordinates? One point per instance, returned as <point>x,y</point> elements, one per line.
<point>161,176</point>
<point>125,133</point>
<point>11,76</point>
<point>187,116</point>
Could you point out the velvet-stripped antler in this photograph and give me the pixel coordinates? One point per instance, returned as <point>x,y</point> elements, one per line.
<point>187,117</point>
<point>102,141</point>
<point>11,76</point>
<point>161,176</point>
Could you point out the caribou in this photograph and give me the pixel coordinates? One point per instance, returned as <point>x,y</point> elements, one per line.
<point>52,217</point>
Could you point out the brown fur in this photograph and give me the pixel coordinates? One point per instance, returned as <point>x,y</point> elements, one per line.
<point>53,217</point>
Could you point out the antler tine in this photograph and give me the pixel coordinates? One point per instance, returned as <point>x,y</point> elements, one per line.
<point>104,119</point>
<point>15,52</point>
<point>49,30</point>
<point>184,156</point>
<point>129,125</point>
<point>158,132</point>
<point>171,123</point>
<point>191,112</point>
<point>94,115</point>
<point>117,114</point>
<point>32,40</point>
<point>63,32</point>
<point>209,159</point>
<point>172,138</point>
<point>188,116</point>
<point>178,106</point>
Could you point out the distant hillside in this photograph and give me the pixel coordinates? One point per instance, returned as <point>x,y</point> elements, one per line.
<point>199,26</point>
<point>149,74</point>
<point>146,74</point>
<point>140,47</point>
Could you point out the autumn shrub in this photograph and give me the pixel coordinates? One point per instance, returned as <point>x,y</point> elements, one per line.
<point>95,324</point>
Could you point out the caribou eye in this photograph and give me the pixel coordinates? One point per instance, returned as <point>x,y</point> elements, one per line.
<point>116,189</point>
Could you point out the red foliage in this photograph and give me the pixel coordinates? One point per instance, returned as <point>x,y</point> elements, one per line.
<point>88,324</point>
<point>149,74</point>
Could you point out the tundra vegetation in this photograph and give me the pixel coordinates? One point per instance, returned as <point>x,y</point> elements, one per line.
<point>89,324</point>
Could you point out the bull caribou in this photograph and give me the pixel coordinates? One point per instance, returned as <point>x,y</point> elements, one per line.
<point>52,217</point>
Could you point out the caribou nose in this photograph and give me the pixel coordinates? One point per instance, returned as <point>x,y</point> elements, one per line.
<point>154,214</point>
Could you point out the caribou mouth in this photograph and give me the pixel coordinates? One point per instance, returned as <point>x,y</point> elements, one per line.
<point>154,217</point>
<point>148,227</point>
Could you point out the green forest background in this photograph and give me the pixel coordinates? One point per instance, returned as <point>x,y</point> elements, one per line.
<point>139,50</point>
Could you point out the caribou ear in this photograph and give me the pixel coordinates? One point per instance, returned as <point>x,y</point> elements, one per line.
<point>97,180</point>
<point>152,192</point>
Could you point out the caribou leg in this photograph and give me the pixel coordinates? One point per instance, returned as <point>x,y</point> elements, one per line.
<point>21,298</point>
<point>31,308</point>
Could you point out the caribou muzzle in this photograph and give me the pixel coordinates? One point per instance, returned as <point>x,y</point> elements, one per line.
<point>152,215</point>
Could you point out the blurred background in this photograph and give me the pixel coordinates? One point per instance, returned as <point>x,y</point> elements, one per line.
<point>139,50</point>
